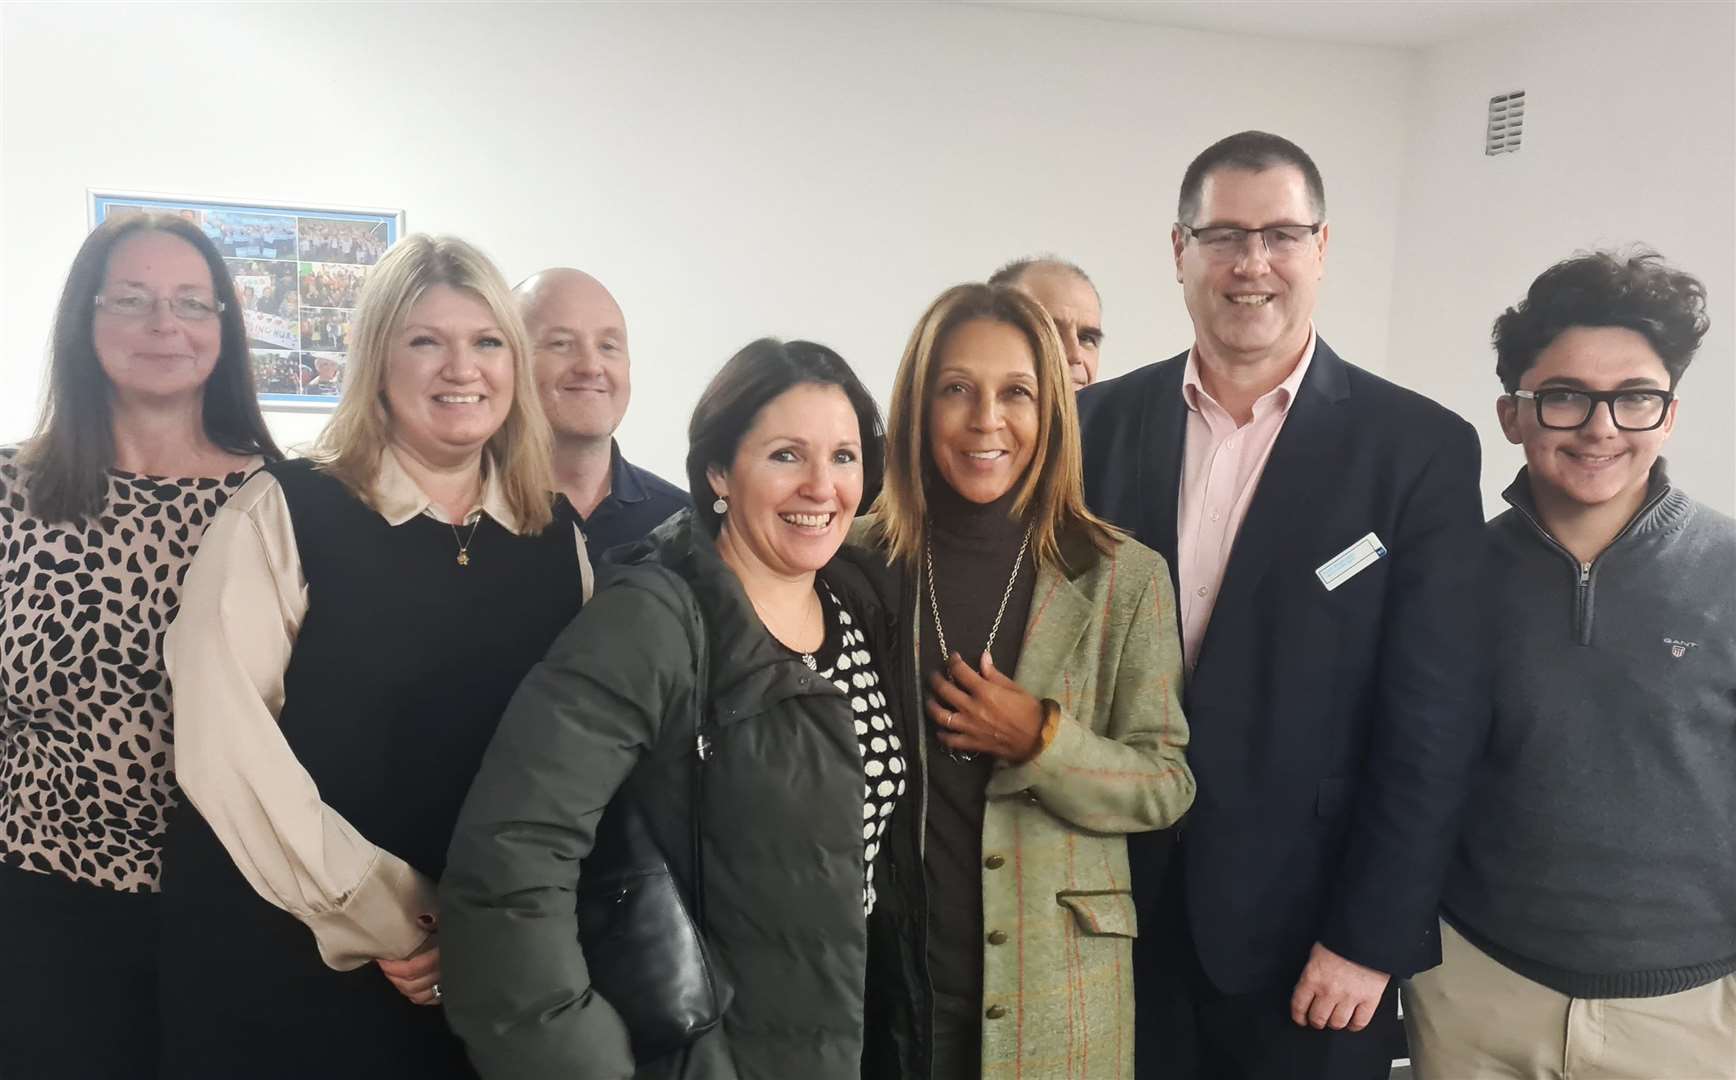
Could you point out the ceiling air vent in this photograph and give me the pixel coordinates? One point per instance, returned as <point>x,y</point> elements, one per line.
<point>1506,123</point>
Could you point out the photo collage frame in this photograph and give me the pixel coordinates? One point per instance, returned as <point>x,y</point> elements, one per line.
<point>298,271</point>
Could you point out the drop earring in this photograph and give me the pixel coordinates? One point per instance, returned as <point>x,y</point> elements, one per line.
<point>720,507</point>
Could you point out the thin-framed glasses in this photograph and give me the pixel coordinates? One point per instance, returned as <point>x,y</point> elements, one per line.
<point>141,305</point>
<point>1632,410</point>
<point>1227,242</point>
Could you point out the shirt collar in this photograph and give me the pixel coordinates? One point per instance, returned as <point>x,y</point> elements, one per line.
<point>1664,505</point>
<point>1282,394</point>
<point>398,498</point>
<point>624,485</point>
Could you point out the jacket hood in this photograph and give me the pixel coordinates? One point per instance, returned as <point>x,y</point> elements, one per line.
<point>750,670</point>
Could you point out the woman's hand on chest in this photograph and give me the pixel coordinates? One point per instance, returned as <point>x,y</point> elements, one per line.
<point>985,712</point>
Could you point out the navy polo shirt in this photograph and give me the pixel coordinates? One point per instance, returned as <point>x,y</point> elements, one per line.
<point>638,501</point>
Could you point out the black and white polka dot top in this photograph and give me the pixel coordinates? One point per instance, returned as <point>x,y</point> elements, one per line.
<point>845,660</point>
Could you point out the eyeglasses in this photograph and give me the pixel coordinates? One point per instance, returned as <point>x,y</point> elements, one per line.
<point>139,305</point>
<point>1225,243</point>
<point>1567,410</point>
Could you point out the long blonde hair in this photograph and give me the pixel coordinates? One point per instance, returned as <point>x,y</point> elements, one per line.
<point>360,429</point>
<point>1052,494</point>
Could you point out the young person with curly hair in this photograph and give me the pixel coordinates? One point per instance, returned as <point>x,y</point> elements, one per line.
<point>1589,917</point>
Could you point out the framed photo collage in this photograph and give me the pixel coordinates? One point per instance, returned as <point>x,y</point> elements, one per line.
<point>298,271</point>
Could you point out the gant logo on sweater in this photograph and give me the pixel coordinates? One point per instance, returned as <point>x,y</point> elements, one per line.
<point>1679,649</point>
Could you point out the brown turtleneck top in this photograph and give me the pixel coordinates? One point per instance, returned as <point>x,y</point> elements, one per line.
<point>974,548</point>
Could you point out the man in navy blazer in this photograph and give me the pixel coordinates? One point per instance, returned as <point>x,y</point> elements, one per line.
<point>1322,526</point>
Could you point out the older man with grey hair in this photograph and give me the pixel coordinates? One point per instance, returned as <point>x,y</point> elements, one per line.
<point>1068,295</point>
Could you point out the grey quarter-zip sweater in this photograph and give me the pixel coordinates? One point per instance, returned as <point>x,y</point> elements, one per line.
<point>1598,854</point>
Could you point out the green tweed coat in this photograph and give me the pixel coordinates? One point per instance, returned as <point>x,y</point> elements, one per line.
<point>1102,643</point>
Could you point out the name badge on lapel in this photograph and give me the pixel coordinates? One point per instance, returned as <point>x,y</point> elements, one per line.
<point>1350,562</point>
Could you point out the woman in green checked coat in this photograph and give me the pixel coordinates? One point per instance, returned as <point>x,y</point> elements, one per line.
<point>1042,647</point>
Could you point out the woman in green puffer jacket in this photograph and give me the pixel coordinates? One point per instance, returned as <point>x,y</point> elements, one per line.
<point>805,767</point>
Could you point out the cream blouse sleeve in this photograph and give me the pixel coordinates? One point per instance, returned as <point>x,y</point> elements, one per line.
<point>241,607</point>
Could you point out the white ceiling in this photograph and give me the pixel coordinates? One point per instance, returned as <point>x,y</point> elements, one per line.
<point>1409,24</point>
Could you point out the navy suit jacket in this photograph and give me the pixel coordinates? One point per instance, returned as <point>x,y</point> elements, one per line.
<point>1332,731</point>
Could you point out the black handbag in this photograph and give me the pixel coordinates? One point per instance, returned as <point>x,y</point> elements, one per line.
<point>645,949</point>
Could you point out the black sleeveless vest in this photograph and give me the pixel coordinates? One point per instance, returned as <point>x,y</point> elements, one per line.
<point>402,669</point>
<point>403,666</point>
<point>406,659</point>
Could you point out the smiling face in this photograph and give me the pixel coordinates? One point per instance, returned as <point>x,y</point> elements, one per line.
<point>155,355</point>
<point>1247,307</point>
<point>795,483</point>
<point>983,418</point>
<point>581,361</point>
<point>1599,463</point>
<point>449,378</point>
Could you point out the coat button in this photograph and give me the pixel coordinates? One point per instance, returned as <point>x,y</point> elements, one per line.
<point>995,1012</point>
<point>997,937</point>
<point>994,862</point>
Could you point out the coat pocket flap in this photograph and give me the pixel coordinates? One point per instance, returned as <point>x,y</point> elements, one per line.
<point>1102,913</point>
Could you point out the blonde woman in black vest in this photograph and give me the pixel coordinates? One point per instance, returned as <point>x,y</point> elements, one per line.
<point>350,635</point>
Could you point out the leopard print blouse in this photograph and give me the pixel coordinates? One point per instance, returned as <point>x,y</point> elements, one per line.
<point>85,726</point>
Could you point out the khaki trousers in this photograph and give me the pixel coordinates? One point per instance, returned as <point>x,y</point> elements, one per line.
<point>1472,1018</point>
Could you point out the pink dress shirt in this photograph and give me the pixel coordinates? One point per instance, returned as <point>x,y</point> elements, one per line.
<point>1221,467</point>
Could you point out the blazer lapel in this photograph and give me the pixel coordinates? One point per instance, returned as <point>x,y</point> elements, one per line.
<point>1060,612</point>
<point>1163,431</point>
<point>1308,452</point>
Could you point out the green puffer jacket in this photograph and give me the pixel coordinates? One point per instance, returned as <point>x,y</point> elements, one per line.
<point>782,830</point>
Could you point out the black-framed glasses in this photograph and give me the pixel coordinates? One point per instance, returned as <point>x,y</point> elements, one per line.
<point>1632,410</point>
<point>1226,242</point>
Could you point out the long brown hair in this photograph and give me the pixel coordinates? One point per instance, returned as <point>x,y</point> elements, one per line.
<point>74,445</point>
<point>1052,494</point>
<point>360,429</point>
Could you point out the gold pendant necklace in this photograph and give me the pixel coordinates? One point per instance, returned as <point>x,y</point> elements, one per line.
<point>464,544</point>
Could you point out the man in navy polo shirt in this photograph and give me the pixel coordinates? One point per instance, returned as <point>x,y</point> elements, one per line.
<point>582,375</point>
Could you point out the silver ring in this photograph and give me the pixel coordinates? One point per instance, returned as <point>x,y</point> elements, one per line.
<point>951,715</point>
<point>437,994</point>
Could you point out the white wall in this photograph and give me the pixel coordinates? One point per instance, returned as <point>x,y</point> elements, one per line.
<point>730,170</point>
<point>1630,136</point>
<point>823,170</point>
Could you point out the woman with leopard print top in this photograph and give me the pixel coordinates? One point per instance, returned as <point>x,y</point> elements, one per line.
<point>150,424</point>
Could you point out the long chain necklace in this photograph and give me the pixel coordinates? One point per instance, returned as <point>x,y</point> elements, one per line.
<point>464,543</point>
<point>934,606</point>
